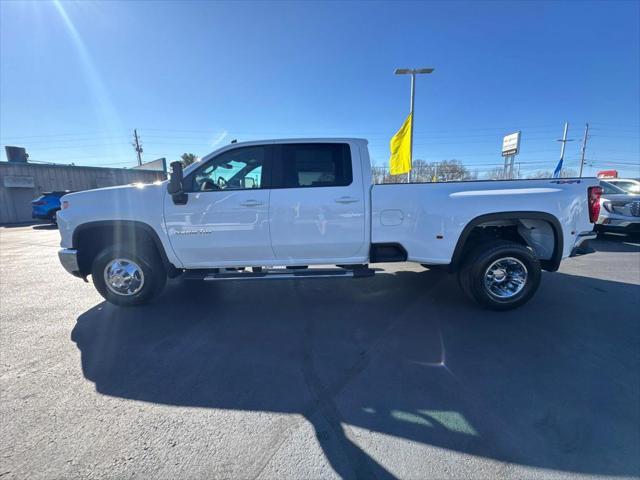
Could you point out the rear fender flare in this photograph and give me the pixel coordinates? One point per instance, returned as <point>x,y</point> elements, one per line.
<point>550,265</point>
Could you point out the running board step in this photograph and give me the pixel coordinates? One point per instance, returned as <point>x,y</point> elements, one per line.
<point>279,274</point>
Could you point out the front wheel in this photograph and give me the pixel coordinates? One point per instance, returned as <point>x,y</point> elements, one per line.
<point>128,275</point>
<point>500,275</point>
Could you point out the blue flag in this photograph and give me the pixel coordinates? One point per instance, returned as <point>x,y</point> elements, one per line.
<point>556,172</point>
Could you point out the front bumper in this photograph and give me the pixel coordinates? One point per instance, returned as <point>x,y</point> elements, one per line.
<point>631,229</point>
<point>618,225</point>
<point>39,216</point>
<point>69,260</point>
<point>616,221</point>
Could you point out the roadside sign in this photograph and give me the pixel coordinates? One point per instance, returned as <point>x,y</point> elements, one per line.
<point>19,181</point>
<point>511,144</point>
<point>608,174</point>
<point>159,165</point>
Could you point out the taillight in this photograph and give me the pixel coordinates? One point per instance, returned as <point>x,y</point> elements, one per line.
<point>594,203</point>
<point>65,204</point>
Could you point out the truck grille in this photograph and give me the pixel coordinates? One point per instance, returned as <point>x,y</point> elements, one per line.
<point>635,208</point>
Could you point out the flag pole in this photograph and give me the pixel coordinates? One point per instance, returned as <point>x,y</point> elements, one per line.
<point>413,72</point>
<point>413,96</point>
<point>558,171</point>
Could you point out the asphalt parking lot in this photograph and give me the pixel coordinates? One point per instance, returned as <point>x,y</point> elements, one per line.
<point>392,376</point>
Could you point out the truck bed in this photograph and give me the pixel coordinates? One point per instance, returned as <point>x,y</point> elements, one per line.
<point>427,219</point>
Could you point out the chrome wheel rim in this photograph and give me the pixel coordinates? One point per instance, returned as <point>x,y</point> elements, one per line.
<point>123,277</point>
<point>505,278</point>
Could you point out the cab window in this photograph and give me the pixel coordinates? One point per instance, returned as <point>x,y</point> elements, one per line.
<point>239,169</point>
<point>303,165</point>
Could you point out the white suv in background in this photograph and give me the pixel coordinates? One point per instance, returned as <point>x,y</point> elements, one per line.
<point>629,185</point>
<point>619,212</point>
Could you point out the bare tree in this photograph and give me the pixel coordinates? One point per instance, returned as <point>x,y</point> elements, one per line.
<point>564,173</point>
<point>496,173</point>
<point>449,170</point>
<point>423,171</point>
<point>188,158</point>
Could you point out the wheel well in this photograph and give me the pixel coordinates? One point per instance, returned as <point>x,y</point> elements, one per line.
<point>538,231</point>
<point>91,239</point>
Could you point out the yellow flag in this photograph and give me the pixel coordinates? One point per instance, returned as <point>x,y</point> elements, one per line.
<point>400,161</point>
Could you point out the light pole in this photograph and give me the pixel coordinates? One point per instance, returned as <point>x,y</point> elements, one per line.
<point>413,72</point>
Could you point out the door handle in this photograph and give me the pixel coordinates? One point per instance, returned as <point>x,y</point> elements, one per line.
<point>346,200</point>
<point>251,203</point>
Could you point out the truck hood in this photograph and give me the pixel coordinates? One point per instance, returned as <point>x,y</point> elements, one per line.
<point>120,190</point>
<point>123,202</point>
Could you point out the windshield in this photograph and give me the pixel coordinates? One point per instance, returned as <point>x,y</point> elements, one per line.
<point>628,186</point>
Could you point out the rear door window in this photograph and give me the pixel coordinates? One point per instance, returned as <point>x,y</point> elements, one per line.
<point>307,165</point>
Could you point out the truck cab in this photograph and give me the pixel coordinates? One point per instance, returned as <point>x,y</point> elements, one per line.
<point>276,203</point>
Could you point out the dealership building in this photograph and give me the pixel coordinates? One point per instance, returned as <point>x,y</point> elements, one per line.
<point>22,181</point>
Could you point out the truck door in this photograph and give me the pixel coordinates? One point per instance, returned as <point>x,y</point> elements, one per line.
<point>317,208</point>
<point>225,220</point>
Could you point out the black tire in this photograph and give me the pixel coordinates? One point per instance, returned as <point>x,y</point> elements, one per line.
<point>154,274</point>
<point>471,276</point>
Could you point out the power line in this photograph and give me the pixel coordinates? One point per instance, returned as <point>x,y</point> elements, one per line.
<point>499,129</point>
<point>75,146</point>
<point>429,134</point>
<point>58,135</point>
<point>616,136</point>
<point>50,142</point>
<point>612,162</point>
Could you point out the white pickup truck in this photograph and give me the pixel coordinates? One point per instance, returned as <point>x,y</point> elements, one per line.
<point>272,209</point>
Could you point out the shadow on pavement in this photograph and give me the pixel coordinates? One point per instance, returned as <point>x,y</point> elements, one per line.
<point>402,354</point>
<point>20,225</point>
<point>616,243</point>
<point>46,226</point>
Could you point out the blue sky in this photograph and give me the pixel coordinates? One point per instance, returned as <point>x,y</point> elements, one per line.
<point>77,77</point>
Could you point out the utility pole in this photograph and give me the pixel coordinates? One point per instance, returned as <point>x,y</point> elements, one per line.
<point>412,72</point>
<point>558,170</point>
<point>584,147</point>
<point>137,146</point>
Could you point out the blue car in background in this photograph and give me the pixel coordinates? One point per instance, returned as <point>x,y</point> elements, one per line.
<point>46,206</point>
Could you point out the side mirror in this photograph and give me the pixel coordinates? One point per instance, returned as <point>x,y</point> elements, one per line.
<point>175,187</point>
